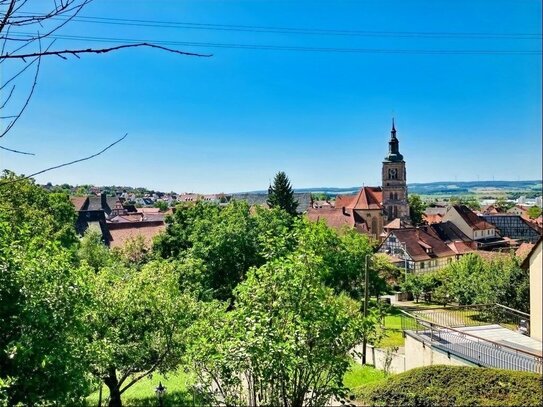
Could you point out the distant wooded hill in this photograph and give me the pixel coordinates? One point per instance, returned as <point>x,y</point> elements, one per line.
<point>490,188</point>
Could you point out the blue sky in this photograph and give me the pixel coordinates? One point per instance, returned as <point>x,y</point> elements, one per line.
<point>229,122</point>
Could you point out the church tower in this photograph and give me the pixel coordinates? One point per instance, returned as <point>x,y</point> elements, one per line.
<point>394,179</point>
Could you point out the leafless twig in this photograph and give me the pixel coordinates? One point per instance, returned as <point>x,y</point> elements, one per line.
<point>65,164</point>
<point>75,52</point>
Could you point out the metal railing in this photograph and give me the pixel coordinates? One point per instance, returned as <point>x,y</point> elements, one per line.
<point>479,351</point>
<point>477,315</point>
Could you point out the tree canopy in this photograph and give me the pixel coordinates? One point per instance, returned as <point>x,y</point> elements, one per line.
<point>416,209</point>
<point>286,341</point>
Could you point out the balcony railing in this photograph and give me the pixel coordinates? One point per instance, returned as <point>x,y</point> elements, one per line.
<point>479,351</point>
<point>477,315</point>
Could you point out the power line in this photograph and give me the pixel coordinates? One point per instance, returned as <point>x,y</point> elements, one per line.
<point>288,48</point>
<point>297,31</point>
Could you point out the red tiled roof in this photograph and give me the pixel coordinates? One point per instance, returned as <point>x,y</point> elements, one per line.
<point>119,236</point>
<point>416,242</point>
<point>334,217</point>
<point>460,247</point>
<point>523,250</point>
<point>473,221</point>
<point>431,219</point>
<point>78,202</point>
<point>395,224</point>
<point>368,198</point>
<point>343,201</point>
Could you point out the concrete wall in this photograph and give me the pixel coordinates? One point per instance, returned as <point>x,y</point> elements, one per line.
<point>536,293</point>
<point>376,357</point>
<point>418,354</point>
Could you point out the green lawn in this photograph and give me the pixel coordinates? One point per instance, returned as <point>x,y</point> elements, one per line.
<point>359,375</point>
<point>393,330</point>
<point>143,392</point>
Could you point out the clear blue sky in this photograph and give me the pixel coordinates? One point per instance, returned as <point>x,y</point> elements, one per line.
<point>229,122</point>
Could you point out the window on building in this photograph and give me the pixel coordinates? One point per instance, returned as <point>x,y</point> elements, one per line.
<point>422,264</point>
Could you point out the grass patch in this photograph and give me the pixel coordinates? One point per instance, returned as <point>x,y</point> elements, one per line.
<point>454,386</point>
<point>393,329</point>
<point>143,392</point>
<point>359,375</point>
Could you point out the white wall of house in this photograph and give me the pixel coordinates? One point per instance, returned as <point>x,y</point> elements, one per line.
<point>536,293</point>
<point>433,264</point>
<point>453,216</point>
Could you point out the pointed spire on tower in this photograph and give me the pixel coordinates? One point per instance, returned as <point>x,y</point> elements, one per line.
<point>393,146</point>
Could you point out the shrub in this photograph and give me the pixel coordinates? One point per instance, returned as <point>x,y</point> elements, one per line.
<point>456,386</point>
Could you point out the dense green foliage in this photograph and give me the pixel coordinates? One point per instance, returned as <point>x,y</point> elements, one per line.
<point>534,212</point>
<point>416,208</point>
<point>137,323</point>
<point>286,340</point>
<point>456,386</point>
<point>42,296</point>
<point>281,195</point>
<point>474,280</point>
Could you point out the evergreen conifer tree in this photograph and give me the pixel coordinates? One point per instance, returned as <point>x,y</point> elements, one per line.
<point>280,194</point>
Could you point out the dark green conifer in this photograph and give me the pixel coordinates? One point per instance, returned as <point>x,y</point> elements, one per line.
<point>280,194</point>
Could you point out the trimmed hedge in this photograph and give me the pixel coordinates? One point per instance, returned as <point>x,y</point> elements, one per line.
<point>455,386</point>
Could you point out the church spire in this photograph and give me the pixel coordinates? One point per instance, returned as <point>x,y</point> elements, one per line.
<point>393,146</point>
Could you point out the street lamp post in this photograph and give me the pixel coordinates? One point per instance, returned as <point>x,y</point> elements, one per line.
<point>366,298</point>
<point>160,392</point>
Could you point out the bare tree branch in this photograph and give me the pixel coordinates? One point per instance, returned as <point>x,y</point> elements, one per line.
<point>27,101</point>
<point>8,98</point>
<point>75,52</point>
<point>65,164</point>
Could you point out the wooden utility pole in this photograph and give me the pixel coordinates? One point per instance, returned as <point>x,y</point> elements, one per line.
<point>366,298</point>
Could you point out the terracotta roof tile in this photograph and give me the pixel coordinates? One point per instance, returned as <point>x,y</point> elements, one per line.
<point>523,250</point>
<point>474,221</point>
<point>334,217</point>
<point>367,198</point>
<point>433,218</point>
<point>79,202</point>
<point>417,241</point>
<point>148,230</point>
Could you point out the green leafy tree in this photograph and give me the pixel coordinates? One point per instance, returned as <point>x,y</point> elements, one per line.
<point>162,205</point>
<point>503,205</point>
<point>137,323</point>
<point>286,342</point>
<point>280,194</point>
<point>92,251</point>
<point>228,240</point>
<point>414,284</point>
<point>416,208</point>
<point>42,297</point>
<point>534,212</point>
<point>473,280</point>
